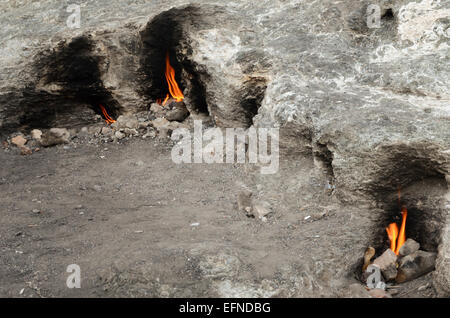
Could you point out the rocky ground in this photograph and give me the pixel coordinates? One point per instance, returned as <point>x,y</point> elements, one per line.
<point>139,225</point>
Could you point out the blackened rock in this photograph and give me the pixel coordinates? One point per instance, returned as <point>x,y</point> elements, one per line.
<point>177,114</point>
<point>55,136</point>
<point>409,247</point>
<point>415,265</point>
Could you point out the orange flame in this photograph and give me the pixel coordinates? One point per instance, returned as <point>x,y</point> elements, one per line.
<point>396,237</point>
<point>165,100</point>
<point>108,119</point>
<point>174,89</point>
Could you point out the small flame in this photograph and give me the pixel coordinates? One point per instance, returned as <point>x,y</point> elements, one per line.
<point>108,119</point>
<point>165,100</point>
<point>174,89</point>
<point>396,237</point>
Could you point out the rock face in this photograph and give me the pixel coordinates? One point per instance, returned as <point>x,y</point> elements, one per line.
<point>371,105</point>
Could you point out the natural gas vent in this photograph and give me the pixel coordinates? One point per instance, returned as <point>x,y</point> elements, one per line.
<point>388,15</point>
<point>408,234</point>
<point>425,217</point>
<point>410,176</point>
<point>160,48</point>
<point>230,96</point>
<point>69,91</point>
<point>409,188</point>
<point>323,159</point>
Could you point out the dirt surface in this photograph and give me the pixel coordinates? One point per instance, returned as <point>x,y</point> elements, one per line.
<point>139,225</point>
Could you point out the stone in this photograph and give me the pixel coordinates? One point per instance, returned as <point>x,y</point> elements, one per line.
<point>244,201</point>
<point>107,131</point>
<point>160,123</point>
<point>261,209</point>
<point>19,141</point>
<point>157,109</point>
<point>414,265</point>
<point>55,136</point>
<point>410,246</point>
<point>178,113</point>
<point>319,215</point>
<point>150,134</point>
<point>388,264</point>
<point>119,135</point>
<point>143,124</point>
<point>25,151</point>
<point>130,132</point>
<point>368,255</point>
<point>126,121</point>
<point>36,134</point>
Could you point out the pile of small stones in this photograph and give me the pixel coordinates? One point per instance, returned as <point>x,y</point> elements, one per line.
<point>159,123</point>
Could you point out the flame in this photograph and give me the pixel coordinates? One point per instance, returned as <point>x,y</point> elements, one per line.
<point>108,119</point>
<point>396,237</point>
<point>174,89</point>
<point>392,231</point>
<point>165,100</point>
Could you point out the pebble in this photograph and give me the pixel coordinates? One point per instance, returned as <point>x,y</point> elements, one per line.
<point>19,141</point>
<point>119,135</point>
<point>36,134</point>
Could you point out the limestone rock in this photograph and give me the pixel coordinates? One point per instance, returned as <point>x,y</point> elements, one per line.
<point>388,264</point>
<point>244,201</point>
<point>179,112</point>
<point>126,121</point>
<point>159,123</point>
<point>261,209</point>
<point>410,246</point>
<point>25,151</point>
<point>55,136</point>
<point>106,131</point>
<point>119,135</point>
